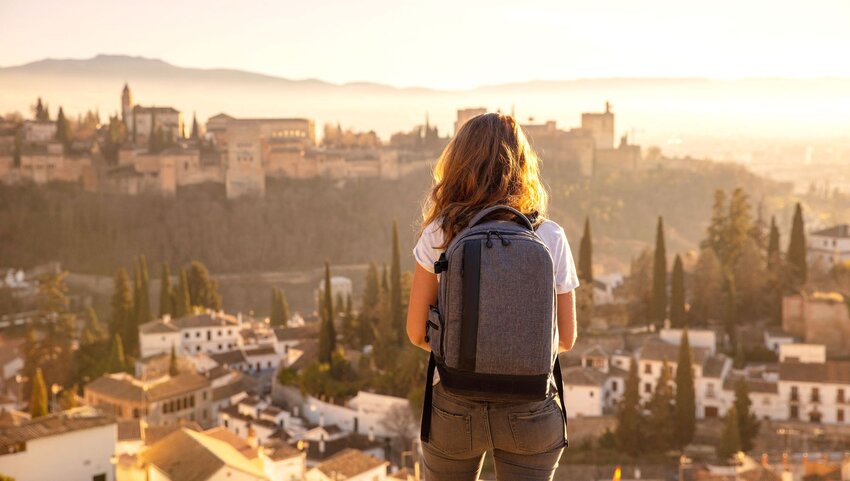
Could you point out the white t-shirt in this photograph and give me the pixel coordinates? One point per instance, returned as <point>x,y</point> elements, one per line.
<point>427,251</point>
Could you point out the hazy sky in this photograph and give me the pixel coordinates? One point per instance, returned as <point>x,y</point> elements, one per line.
<point>441,43</point>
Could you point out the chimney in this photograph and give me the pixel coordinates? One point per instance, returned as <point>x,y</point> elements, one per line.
<point>371,434</point>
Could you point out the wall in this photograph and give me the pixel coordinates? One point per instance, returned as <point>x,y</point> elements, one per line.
<point>78,455</point>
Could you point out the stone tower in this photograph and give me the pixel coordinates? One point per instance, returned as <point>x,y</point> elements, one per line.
<point>126,104</point>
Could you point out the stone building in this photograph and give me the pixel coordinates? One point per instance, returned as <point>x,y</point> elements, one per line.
<point>819,318</point>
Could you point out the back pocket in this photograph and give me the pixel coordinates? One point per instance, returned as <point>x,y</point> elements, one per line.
<point>450,433</point>
<point>434,331</point>
<point>538,431</point>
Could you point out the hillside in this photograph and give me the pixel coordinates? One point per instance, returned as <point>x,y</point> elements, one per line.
<point>656,108</point>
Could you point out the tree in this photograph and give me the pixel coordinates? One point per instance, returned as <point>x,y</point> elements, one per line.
<point>730,438</point>
<point>773,253</point>
<point>143,301</point>
<point>327,330</point>
<point>677,294</point>
<point>93,330</point>
<point>661,425</point>
<point>280,308</point>
<point>638,287</point>
<point>730,312</point>
<point>182,300</point>
<point>40,111</point>
<point>629,433</point>
<point>716,233</point>
<point>173,370</point>
<point>707,288</point>
<point>63,132</point>
<point>396,310</point>
<point>196,132</point>
<point>166,296</point>
<point>203,291</point>
<point>685,394</point>
<point>748,423</point>
<point>751,280</point>
<point>122,304</point>
<point>658,306</point>
<point>797,250</point>
<point>117,361</point>
<point>38,396</point>
<point>372,289</point>
<point>738,227</point>
<point>585,275</point>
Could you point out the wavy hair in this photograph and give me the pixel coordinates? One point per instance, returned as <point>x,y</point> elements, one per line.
<point>489,161</point>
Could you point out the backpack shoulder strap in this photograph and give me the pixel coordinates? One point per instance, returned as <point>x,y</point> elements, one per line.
<point>425,428</point>
<point>521,218</point>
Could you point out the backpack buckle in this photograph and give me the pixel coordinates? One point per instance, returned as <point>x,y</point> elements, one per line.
<point>442,264</point>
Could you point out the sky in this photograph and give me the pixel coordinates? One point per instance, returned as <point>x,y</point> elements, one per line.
<point>445,44</point>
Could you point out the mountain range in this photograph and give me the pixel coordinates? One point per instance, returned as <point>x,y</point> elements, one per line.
<point>652,109</point>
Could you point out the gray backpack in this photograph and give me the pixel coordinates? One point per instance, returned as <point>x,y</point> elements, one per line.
<point>493,331</point>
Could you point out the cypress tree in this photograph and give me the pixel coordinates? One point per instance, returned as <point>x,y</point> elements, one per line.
<point>166,296</point>
<point>730,311</point>
<point>327,333</point>
<point>182,300</point>
<point>730,438</point>
<point>748,423</point>
<point>677,294</point>
<point>117,361</point>
<point>685,394</point>
<point>716,232</point>
<point>629,431</point>
<point>585,256</point>
<point>195,130</point>
<point>396,309</point>
<point>203,290</point>
<point>63,133</point>
<point>385,280</point>
<point>93,331</point>
<point>658,306</point>
<point>122,303</point>
<point>661,429</point>
<point>773,244</point>
<point>371,292</point>
<point>797,249</point>
<point>739,226</point>
<point>275,314</point>
<point>38,396</point>
<point>284,308</point>
<point>173,370</point>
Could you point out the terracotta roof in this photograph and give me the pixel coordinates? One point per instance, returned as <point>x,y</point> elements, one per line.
<point>713,366</point>
<point>349,463</point>
<point>53,425</point>
<point>157,327</point>
<point>841,231</point>
<point>595,351</point>
<point>310,353</point>
<point>583,376</point>
<point>296,333</point>
<point>242,383</point>
<point>336,445</point>
<point>205,319</point>
<point>830,372</point>
<point>753,385</point>
<point>154,433</point>
<point>235,356</point>
<point>277,450</point>
<point>191,456</point>
<point>240,444</point>
<point>124,386</point>
<point>129,430</point>
<point>260,351</point>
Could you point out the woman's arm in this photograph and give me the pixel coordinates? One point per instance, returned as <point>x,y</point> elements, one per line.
<point>423,293</point>
<point>567,331</point>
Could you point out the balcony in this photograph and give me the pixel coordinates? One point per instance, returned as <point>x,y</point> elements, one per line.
<point>794,397</point>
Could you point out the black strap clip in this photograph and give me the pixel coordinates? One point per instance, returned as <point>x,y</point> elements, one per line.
<point>442,264</point>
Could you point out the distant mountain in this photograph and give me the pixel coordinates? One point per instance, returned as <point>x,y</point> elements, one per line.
<point>654,108</point>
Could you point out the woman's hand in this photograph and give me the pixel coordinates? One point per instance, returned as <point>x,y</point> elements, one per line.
<point>423,293</point>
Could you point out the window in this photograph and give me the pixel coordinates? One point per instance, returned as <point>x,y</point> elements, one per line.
<point>219,333</point>
<point>795,394</point>
<point>614,386</point>
<point>794,412</point>
<point>647,388</point>
<point>186,335</point>
<point>815,395</point>
<point>135,413</point>
<point>99,477</point>
<point>226,423</point>
<point>840,396</point>
<point>591,393</point>
<point>839,415</point>
<point>198,334</point>
<point>647,368</point>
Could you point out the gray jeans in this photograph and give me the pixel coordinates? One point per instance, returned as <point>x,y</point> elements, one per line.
<point>526,439</point>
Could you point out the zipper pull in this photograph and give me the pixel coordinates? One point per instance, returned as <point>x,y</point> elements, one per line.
<point>489,241</point>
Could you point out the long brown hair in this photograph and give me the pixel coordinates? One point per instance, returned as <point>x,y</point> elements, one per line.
<point>489,161</point>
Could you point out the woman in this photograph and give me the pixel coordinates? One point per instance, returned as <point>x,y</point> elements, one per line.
<point>489,162</point>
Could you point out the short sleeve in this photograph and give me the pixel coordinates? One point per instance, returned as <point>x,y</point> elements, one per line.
<point>427,249</point>
<point>566,276</point>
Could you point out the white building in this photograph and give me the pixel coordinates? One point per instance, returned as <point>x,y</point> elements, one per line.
<point>341,287</point>
<point>802,353</point>
<point>604,287</point>
<point>208,332</point>
<point>583,391</point>
<point>74,444</point>
<point>39,131</point>
<point>830,246</point>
